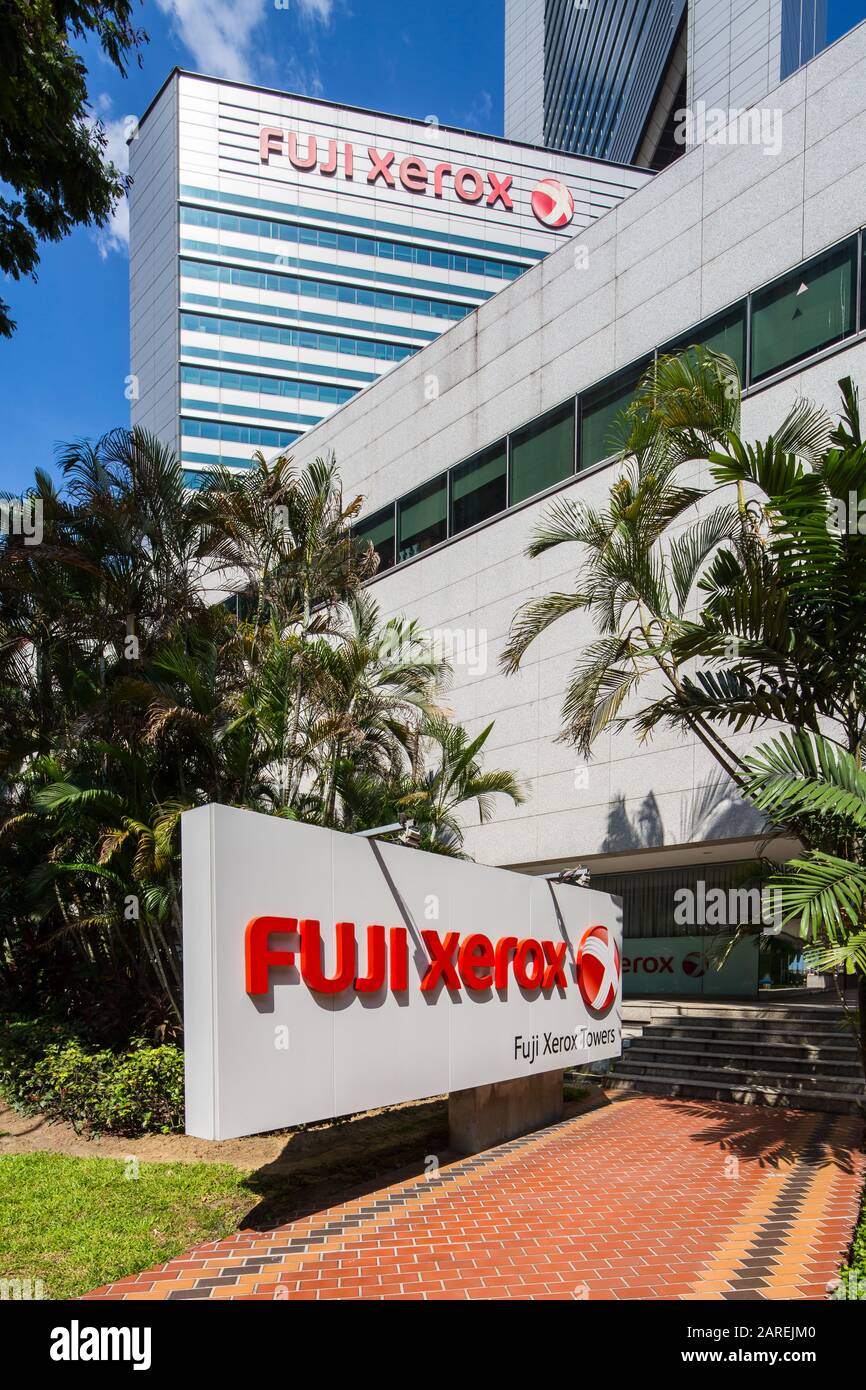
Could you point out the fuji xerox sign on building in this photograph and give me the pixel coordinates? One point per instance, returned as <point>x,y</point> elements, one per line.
<point>326,973</point>
<point>286,252</point>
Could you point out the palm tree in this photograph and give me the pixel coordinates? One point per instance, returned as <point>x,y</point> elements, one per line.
<point>283,538</point>
<point>130,696</point>
<point>754,612</point>
<point>639,581</point>
<point>804,779</point>
<point>448,774</point>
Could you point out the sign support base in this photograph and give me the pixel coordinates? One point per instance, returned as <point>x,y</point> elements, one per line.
<point>483,1116</point>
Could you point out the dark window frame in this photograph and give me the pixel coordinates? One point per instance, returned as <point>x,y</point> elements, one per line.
<point>578,403</point>
<point>851,243</point>
<point>431,485</point>
<point>537,426</point>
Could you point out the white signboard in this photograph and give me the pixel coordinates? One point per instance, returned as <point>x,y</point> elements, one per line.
<point>325,973</point>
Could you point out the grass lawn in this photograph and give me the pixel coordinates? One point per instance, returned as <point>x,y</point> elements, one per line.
<point>77,1223</point>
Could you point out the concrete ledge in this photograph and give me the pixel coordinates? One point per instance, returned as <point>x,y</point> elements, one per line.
<point>484,1116</point>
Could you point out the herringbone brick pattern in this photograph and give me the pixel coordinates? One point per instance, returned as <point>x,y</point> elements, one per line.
<point>643,1198</point>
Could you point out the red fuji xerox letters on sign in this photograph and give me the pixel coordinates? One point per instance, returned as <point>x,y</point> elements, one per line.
<point>327,973</point>
<point>310,153</point>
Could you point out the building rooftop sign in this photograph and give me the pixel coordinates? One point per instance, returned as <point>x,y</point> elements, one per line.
<point>325,973</point>
<point>551,201</point>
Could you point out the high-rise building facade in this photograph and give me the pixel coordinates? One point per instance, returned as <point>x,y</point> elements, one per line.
<point>606,77</point>
<point>286,252</point>
<point>761,257</point>
<point>739,50</point>
<point>804,32</point>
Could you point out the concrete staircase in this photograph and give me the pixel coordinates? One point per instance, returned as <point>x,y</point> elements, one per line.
<point>786,1054</point>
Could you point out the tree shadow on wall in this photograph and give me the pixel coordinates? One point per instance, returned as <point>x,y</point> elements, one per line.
<point>711,812</point>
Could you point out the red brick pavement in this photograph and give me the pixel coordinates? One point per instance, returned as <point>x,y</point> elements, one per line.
<point>643,1198</point>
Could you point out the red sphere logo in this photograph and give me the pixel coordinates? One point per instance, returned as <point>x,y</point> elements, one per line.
<point>598,970</point>
<point>552,203</point>
<point>695,964</point>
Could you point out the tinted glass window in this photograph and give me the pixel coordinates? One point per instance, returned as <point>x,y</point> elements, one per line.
<point>542,454</point>
<point>423,517</point>
<point>600,411</point>
<point>379,530</point>
<point>806,310</point>
<point>479,488</point>
<point>725,333</point>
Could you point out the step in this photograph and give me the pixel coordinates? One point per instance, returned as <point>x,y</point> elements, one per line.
<point>674,1086</point>
<point>751,1062</point>
<point>652,1010</point>
<point>837,1052</point>
<point>748,1076</point>
<point>758,1036</point>
<point>823,1023</point>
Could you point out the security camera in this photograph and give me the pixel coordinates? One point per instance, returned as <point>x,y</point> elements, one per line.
<point>579,876</point>
<point>410,835</point>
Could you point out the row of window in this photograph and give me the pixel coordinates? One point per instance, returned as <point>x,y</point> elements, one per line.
<point>248,412</point>
<point>302,267</point>
<point>240,306</point>
<point>267,385</point>
<point>296,338</point>
<point>238,434</point>
<point>248,359</point>
<point>302,235</point>
<point>801,313</point>
<point>324,289</point>
<point>376,225</point>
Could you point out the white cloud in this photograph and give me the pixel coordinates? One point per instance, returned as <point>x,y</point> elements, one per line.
<point>218,33</point>
<point>114,236</point>
<point>221,34</point>
<point>480,111</point>
<point>316,9</point>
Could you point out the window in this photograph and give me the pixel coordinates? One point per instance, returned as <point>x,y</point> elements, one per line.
<point>334,241</point>
<point>806,310</point>
<point>193,479</point>
<point>379,530</point>
<point>543,453</point>
<point>423,517</point>
<point>479,487</point>
<point>600,411</point>
<point>724,333</point>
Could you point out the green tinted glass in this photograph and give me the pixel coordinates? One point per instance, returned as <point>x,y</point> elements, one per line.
<point>806,310</point>
<point>724,333</point>
<point>479,488</point>
<point>542,454</point>
<point>379,530</point>
<point>423,518</point>
<point>600,411</point>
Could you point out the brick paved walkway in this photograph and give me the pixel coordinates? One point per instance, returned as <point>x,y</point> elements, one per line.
<point>643,1198</point>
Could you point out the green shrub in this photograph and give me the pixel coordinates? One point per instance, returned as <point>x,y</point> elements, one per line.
<point>23,1043</point>
<point>853,1276</point>
<point>44,1068</point>
<point>145,1091</point>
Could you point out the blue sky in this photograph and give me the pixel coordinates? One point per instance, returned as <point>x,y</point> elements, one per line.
<point>62,375</point>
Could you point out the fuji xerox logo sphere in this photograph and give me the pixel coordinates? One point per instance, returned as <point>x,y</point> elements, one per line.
<point>694,964</point>
<point>598,970</point>
<point>552,203</point>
